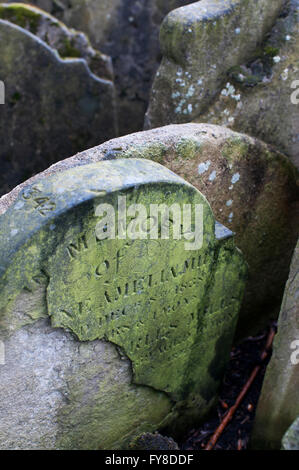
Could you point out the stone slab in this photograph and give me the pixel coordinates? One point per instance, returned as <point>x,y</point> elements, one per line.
<point>278,405</point>
<point>166,314</point>
<point>252,189</point>
<point>55,107</point>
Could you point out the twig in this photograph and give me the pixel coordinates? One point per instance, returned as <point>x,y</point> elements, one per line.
<point>245,389</point>
<point>245,420</point>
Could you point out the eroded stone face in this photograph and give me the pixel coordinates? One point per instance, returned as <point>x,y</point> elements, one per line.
<point>247,104</point>
<point>170,312</point>
<point>291,438</point>
<point>232,63</point>
<point>278,405</point>
<point>54,106</point>
<point>252,190</point>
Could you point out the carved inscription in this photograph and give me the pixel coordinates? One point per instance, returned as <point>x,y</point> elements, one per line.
<point>148,297</point>
<point>43,204</point>
<point>135,310</point>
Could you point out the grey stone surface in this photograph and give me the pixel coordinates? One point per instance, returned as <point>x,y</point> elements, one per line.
<point>69,43</point>
<point>155,441</point>
<point>128,31</point>
<point>278,405</point>
<point>231,63</point>
<point>170,313</point>
<point>53,108</point>
<point>290,440</point>
<point>48,378</point>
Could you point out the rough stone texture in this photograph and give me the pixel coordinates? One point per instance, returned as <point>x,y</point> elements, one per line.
<point>54,106</point>
<point>216,68</point>
<point>155,441</point>
<point>252,189</point>
<point>257,96</point>
<point>169,312</point>
<point>128,31</point>
<point>290,440</point>
<point>53,377</point>
<point>278,406</point>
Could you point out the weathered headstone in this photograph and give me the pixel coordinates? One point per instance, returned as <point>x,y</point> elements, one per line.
<point>252,189</point>
<point>69,43</point>
<point>54,107</point>
<point>80,311</point>
<point>261,97</point>
<point>278,405</point>
<point>290,440</point>
<point>128,31</point>
<point>155,441</point>
<point>221,66</point>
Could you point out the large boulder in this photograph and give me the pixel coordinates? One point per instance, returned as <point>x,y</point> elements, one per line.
<point>108,337</point>
<point>128,31</point>
<point>251,187</point>
<point>223,64</point>
<point>278,405</point>
<point>55,106</point>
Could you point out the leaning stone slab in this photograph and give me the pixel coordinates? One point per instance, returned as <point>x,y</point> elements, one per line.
<point>106,339</point>
<point>252,189</point>
<point>290,440</point>
<point>278,406</point>
<point>220,66</point>
<point>128,31</point>
<point>69,43</point>
<point>53,107</point>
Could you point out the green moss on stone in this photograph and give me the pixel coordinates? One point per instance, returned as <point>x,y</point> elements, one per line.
<point>67,49</point>
<point>86,297</point>
<point>155,152</point>
<point>20,15</point>
<point>188,149</point>
<point>235,149</point>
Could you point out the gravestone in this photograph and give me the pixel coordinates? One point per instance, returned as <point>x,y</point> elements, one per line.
<point>55,107</point>
<point>290,440</point>
<point>128,31</point>
<point>252,189</point>
<point>278,405</point>
<point>67,42</point>
<point>96,329</point>
<point>223,64</point>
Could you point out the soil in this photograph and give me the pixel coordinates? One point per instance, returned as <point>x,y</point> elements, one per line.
<point>236,436</point>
